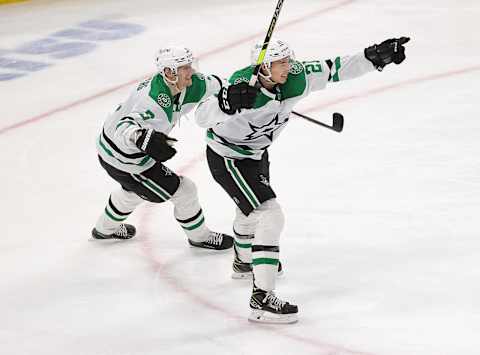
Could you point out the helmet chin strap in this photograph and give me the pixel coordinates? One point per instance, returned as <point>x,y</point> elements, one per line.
<point>268,77</point>
<point>173,83</point>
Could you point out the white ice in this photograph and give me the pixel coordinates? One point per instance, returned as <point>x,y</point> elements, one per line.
<point>381,247</point>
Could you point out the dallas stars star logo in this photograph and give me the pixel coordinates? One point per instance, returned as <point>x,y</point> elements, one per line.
<point>265,130</point>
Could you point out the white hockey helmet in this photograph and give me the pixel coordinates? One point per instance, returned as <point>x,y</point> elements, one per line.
<point>277,50</point>
<point>173,57</point>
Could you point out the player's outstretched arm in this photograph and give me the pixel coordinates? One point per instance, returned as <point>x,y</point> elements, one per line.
<point>348,67</point>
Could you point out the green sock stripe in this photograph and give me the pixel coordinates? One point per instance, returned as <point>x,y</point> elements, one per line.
<point>117,216</point>
<point>195,226</point>
<point>264,261</point>
<point>196,221</point>
<point>116,219</point>
<point>243,245</point>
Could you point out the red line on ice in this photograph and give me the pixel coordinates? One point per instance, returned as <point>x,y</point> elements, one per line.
<point>220,49</point>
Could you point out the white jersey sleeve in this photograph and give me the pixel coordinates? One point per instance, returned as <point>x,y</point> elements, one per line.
<point>213,86</point>
<point>124,134</point>
<point>150,105</point>
<point>320,73</point>
<point>207,114</point>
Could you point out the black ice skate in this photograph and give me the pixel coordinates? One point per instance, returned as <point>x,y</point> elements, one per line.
<point>126,231</point>
<point>216,241</point>
<point>268,308</point>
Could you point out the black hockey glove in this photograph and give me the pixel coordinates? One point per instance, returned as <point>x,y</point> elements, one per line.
<point>235,97</point>
<point>156,144</point>
<point>391,50</point>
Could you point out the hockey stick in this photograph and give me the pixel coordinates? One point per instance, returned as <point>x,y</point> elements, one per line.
<point>337,125</point>
<point>268,37</point>
<point>337,117</point>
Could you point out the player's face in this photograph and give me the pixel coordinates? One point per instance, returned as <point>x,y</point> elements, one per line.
<point>280,69</point>
<point>184,74</point>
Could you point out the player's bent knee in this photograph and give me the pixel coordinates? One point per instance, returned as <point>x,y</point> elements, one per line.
<point>271,222</point>
<point>187,191</point>
<point>245,224</point>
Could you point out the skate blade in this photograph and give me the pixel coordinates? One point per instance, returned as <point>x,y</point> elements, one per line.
<point>242,275</point>
<point>259,316</point>
<point>248,275</point>
<point>108,240</point>
<point>209,250</point>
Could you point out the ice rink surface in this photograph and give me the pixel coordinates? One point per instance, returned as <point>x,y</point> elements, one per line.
<point>381,247</point>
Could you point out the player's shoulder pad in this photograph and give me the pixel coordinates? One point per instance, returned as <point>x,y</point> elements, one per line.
<point>241,76</point>
<point>296,68</point>
<point>296,82</point>
<point>160,93</point>
<point>197,90</point>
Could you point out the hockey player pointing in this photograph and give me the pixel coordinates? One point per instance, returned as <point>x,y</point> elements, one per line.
<point>237,154</point>
<point>134,143</point>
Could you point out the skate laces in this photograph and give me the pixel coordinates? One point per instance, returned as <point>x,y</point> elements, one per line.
<point>274,301</point>
<point>215,238</point>
<point>122,232</point>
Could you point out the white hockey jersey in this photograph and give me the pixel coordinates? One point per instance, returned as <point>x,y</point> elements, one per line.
<point>247,134</point>
<point>150,105</point>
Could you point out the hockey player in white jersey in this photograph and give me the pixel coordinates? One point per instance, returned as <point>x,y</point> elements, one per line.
<point>237,154</point>
<point>134,143</point>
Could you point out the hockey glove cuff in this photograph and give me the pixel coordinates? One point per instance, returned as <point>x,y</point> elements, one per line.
<point>391,50</point>
<point>156,144</point>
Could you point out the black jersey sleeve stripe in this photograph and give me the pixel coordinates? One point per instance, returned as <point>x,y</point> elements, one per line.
<point>330,66</point>
<point>115,148</point>
<point>128,118</point>
<point>188,220</point>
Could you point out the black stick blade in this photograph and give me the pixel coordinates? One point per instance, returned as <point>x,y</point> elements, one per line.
<point>337,122</point>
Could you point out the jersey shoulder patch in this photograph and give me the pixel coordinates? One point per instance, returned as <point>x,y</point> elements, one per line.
<point>296,82</point>
<point>197,90</point>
